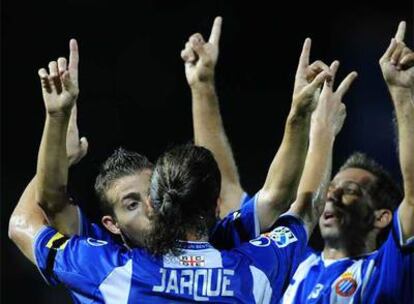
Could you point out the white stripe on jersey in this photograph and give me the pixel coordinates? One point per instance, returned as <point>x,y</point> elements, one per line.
<point>298,277</point>
<point>262,290</point>
<point>367,276</point>
<point>115,288</point>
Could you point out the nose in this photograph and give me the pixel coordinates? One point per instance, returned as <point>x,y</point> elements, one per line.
<point>334,194</point>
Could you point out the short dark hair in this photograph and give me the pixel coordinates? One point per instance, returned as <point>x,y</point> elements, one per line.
<point>386,193</point>
<point>185,187</point>
<point>121,163</point>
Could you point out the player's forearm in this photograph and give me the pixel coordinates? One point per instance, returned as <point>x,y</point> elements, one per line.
<point>286,168</point>
<point>316,162</point>
<point>209,132</point>
<point>315,178</point>
<point>404,109</point>
<point>52,165</point>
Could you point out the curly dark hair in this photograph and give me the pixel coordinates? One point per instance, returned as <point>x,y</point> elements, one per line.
<point>121,163</point>
<point>185,187</point>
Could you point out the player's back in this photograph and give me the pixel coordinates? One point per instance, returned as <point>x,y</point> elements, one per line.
<point>99,271</point>
<point>198,273</point>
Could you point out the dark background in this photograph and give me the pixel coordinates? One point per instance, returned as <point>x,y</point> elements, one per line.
<point>134,92</point>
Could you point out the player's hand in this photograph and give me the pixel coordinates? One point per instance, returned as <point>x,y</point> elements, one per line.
<point>397,63</point>
<point>200,57</point>
<point>330,112</point>
<point>60,86</point>
<point>308,81</point>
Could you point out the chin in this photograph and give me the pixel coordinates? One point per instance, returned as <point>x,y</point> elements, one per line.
<point>330,233</point>
<point>138,242</point>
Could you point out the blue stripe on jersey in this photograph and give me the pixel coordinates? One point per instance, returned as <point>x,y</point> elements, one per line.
<point>384,276</point>
<point>99,271</point>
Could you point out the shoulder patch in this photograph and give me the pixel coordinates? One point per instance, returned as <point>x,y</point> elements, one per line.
<point>261,241</point>
<point>95,242</point>
<point>282,236</point>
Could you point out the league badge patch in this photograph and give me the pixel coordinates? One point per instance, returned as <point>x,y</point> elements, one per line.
<point>282,236</point>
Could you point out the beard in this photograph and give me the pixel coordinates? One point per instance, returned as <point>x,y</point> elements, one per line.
<point>350,229</point>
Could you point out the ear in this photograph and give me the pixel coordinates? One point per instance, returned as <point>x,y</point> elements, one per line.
<point>383,218</point>
<point>148,202</point>
<point>110,224</point>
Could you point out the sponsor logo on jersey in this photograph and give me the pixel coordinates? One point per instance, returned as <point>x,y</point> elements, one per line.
<point>261,241</point>
<point>346,285</point>
<point>236,215</point>
<point>192,260</point>
<point>96,243</point>
<point>282,236</point>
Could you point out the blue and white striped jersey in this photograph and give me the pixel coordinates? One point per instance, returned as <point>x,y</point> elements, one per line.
<point>383,276</point>
<point>98,271</point>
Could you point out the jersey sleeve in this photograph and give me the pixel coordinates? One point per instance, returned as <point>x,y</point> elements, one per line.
<point>278,253</point>
<point>237,227</point>
<point>89,229</point>
<point>79,263</point>
<point>394,263</point>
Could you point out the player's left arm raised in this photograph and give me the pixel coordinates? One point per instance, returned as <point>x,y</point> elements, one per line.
<point>397,65</point>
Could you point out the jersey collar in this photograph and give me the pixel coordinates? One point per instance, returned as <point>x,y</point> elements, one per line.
<point>194,245</point>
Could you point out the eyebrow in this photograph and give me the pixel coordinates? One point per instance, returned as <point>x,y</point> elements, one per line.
<point>348,182</point>
<point>132,195</point>
<point>352,183</point>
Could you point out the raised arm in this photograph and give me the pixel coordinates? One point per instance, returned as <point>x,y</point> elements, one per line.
<point>284,173</point>
<point>327,121</point>
<point>397,65</point>
<point>200,59</point>
<point>60,91</point>
<point>27,216</point>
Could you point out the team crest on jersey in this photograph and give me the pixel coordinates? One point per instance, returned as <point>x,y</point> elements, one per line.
<point>192,260</point>
<point>346,286</point>
<point>282,236</point>
<point>261,241</point>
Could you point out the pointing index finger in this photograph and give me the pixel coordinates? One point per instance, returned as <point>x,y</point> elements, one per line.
<point>399,35</point>
<point>216,31</point>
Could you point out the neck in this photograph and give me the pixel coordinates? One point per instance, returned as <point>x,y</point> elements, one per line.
<point>195,237</point>
<point>333,253</point>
